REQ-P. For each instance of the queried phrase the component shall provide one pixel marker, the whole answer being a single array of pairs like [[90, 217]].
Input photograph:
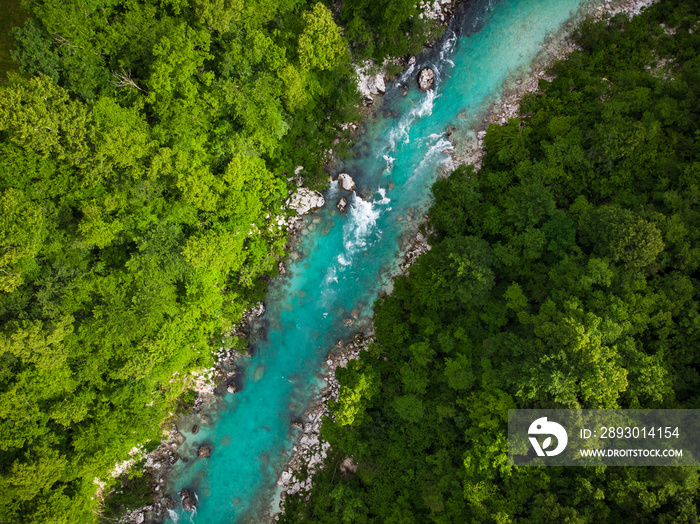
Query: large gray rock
[[346, 182], [189, 499], [426, 78], [305, 200], [204, 451], [342, 204], [370, 81]]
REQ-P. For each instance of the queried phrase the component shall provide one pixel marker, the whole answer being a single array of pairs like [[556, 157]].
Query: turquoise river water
[[348, 259]]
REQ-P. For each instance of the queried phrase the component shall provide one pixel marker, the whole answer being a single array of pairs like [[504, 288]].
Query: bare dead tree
[[123, 79], [61, 41]]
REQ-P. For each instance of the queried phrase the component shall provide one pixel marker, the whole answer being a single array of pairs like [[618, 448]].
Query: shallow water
[[348, 259]]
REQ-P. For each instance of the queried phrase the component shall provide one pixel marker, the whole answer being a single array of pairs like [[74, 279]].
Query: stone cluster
[[370, 80], [417, 247], [305, 200]]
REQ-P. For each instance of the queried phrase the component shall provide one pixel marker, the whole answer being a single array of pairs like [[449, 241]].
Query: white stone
[[432, 11], [285, 477], [426, 78], [346, 182], [342, 204], [305, 200]]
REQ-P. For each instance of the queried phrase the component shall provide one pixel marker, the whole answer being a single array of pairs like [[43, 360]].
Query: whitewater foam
[[362, 219], [383, 200], [389, 163]]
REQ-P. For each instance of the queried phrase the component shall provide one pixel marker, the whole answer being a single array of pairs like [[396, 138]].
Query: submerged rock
[[259, 372], [342, 204], [346, 182], [188, 498], [195, 429], [204, 451], [451, 130], [305, 200], [426, 78]]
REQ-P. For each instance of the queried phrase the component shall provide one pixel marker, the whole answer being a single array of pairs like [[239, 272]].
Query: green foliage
[[320, 44], [564, 274], [34, 54], [144, 156], [132, 493], [383, 28], [11, 16]]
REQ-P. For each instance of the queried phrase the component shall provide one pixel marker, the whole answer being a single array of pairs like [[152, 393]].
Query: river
[[349, 258]]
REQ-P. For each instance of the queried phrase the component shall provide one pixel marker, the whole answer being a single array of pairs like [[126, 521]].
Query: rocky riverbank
[[210, 384], [311, 449]]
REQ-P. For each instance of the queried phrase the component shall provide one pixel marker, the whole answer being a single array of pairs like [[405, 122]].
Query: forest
[[565, 273], [146, 149]]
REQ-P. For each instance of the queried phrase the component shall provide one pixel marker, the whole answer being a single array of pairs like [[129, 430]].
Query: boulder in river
[[346, 182], [426, 78], [204, 451], [305, 200], [231, 387], [342, 204], [189, 499], [195, 429]]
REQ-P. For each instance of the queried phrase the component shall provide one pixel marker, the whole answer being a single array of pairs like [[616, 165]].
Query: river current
[[349, 258]]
